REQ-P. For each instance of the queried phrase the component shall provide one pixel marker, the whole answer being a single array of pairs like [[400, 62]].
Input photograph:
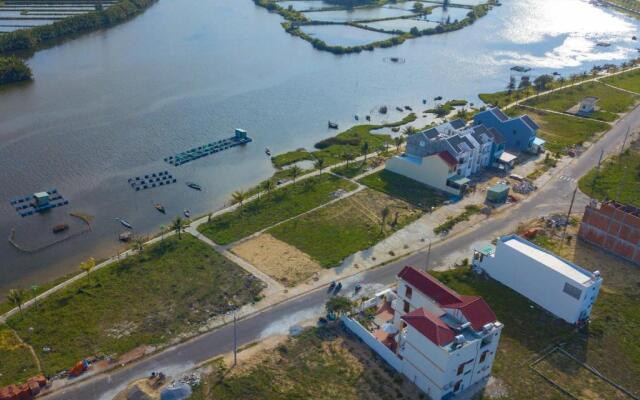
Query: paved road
[[553, 197]]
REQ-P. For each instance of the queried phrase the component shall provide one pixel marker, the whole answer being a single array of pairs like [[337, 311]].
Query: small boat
[[187, 213], [160, 208], [437, 98], [333, 125], [382, 110], [369, 118], [356, 117], [634, 38], [408, 108], [194, 186], [399, 109], [603, 44], [60, 228], [424, 101], [267, 151], [125, 223], [394, 59]]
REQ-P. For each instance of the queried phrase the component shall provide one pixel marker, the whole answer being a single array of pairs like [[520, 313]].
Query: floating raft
[[30, 205], [240, 138], [152, 180]]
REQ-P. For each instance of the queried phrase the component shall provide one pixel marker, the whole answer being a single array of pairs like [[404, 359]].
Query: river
[[111, 105]]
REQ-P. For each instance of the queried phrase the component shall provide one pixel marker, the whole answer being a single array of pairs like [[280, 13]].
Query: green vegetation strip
[[610, 101], [404, 188], [446, 226], [272, 208], [169, 289], [618, 179], [17, 363], [627, 80], [332, 233], [292, 157], [562, 131], [13, 69]]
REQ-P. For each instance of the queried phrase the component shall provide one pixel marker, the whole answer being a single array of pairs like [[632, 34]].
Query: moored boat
[[333, 125], [399, 109], [267, 151], [125, 223], [194, 186], [160, 208], [60, 228], [187, 213]]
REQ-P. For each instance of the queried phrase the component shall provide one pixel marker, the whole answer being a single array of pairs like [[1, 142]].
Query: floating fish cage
[[149, 181], [38, 202], [238, 139]]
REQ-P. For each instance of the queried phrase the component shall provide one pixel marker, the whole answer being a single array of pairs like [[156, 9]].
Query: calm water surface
[[111, 105]]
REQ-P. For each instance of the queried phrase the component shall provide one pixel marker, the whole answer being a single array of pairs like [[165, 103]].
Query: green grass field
[[403, 188], [170, 289], [628, 80], [16, 361], [610, 101], [291, 157], [561, 131], [270, 209], [334, 232], [619, 179]]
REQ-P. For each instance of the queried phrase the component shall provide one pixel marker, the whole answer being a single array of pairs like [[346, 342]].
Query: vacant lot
[[273, 208], [399, 186], [618, 178], [16, 361], [562, 131], [170, 289], [278, 259], [629, 80], [610, 101], [332, 233], [322, 363]]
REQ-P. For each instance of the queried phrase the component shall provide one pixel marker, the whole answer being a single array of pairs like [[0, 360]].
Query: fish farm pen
[[38, 202], [240, 138], [152, 180], [22, 14]]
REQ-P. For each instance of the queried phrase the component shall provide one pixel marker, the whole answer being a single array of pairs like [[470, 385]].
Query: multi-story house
[[519, 133], [440, 340]]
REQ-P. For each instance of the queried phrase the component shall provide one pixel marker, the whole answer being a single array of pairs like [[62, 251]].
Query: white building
[[555, 284], [440, 340]]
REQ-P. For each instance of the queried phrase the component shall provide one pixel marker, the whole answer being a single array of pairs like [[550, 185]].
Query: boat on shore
[[160, 208], [333, 125], [194, 186]]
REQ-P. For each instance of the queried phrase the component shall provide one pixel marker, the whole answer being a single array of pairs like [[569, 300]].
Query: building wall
[[417, 300], [431, 170], [371, 341], [612, 230], [540, 284]]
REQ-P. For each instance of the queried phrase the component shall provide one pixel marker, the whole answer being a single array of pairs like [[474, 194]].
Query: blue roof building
[[518, 133]]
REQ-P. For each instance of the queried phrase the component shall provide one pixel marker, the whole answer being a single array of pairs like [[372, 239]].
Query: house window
[[406, 306], [460, 369], [457, 386], [483, 356], [408, 292], [572, 291]]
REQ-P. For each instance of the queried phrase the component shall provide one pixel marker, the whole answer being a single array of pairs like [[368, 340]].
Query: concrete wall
[[613, 230], [431, 170], [371, 341]]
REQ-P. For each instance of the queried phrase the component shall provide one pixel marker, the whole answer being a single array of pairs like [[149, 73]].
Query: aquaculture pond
[[303, 5], [439, 14], [357, 14], [19, 14], [404, 24], [344, 35]]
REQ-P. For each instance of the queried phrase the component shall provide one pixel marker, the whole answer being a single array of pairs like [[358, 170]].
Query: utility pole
[[626, 136], [597, 174], [426, 267], [235, 340], [564, 232]]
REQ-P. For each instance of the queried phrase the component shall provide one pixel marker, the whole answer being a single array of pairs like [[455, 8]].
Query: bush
[[13, 69]]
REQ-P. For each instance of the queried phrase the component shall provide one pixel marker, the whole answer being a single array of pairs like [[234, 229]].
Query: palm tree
[[162, 229], [295, 172], [319, 164], [398, 141], [268, 186], [137, 244], [239, 196], [347, 157], [178, 226], [409, 130], [16, 297], [87, 266], [385, 214], [365, 150]]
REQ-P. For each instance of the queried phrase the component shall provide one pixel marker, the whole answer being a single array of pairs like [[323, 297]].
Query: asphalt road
[[555, 196]]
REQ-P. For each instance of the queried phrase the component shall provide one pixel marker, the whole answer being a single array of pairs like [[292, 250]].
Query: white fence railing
[[366, 336]]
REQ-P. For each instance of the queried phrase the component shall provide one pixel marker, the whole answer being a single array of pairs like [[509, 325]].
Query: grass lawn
[[359, 167], [610, 101], [30, 293], [332, 149], [501, 99], [270, 209], [620, 174], [170, 289], [334, 232], [291, 157], [399, 186], [562, 131], [321, 363], [16, 361], [468, 212]]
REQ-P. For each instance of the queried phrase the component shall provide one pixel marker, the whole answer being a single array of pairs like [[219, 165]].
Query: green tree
[[418, 7], [365, 150], [238, 197], [87, 267], [319, 164], [137, 244], [295, 172], [409, 130], [178, 226], [347, 157], [542, 82], [398, 140], [268, 186], [339, 305], [16, 297], [512, 84], [385, 214]]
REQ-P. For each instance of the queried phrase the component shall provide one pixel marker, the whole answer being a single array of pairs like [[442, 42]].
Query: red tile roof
[[429, 326], [448, 158], [474, 308]]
